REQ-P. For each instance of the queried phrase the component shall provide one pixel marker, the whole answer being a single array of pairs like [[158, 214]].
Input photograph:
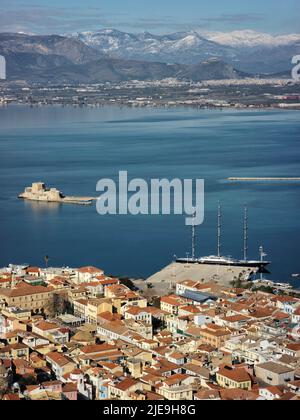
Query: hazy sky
[[160, 16]]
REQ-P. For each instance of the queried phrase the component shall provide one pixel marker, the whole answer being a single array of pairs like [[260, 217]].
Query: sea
[[71, 148]]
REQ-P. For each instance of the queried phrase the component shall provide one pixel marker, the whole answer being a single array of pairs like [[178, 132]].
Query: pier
[[268, 179], [174, 273]]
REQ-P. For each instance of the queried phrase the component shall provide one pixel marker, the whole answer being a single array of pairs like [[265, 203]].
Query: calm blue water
[[72, 148]]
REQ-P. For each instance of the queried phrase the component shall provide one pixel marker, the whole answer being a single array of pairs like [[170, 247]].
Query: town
[[279, 93], [79, 334]]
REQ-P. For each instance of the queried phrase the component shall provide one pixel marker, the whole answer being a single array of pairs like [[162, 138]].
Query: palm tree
[[46, 258]]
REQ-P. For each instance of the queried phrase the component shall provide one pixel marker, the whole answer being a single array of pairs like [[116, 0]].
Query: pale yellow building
[[214, 335], [178, 387], [229, 377], [33, 298], [97, 306]]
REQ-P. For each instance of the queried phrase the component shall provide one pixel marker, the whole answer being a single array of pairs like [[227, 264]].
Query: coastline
[[152, 106]]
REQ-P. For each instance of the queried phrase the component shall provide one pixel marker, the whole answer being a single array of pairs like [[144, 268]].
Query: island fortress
[[39, 192]]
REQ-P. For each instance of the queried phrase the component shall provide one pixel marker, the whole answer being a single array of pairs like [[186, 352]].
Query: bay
[[72, 148]]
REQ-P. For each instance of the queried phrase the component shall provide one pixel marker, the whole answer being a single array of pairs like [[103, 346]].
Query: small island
[[39, 192]]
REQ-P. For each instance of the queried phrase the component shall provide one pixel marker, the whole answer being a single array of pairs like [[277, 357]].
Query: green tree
[[3, 381], [127, 282], [58, 305]]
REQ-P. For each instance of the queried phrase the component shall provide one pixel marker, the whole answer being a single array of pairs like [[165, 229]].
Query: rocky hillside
[[57, 59]]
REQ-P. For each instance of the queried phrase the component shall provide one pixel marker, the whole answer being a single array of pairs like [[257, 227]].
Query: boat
[[295, 276], [227, 261], [283, 285], [220, 260]]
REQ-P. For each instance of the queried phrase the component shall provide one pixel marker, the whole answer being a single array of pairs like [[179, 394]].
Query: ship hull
[[250, 264]]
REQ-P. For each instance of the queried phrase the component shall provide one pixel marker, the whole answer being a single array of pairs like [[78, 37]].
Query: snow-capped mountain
[[182, 47], [248, 38], [246, 50]]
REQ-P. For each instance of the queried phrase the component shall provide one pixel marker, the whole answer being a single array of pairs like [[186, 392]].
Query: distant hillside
[[71, 49], [57, 59], [210, 70]]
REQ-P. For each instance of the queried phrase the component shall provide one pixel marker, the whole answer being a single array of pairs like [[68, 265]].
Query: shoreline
[[152, 106]]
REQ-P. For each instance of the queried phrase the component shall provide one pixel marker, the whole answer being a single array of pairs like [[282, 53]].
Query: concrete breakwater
[[258, 179], [39, 192]]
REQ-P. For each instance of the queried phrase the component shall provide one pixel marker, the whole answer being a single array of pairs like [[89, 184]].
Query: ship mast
[[194, 238], [246, 234], [219, 229], [262, 253]]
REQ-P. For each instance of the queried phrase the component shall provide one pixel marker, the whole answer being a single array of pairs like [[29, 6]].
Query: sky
[[157, 16]]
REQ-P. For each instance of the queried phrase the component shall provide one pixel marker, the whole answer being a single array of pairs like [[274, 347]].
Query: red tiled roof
[[90, 270], [170, 301], [46, 326], [11, 397], [97, 348], [134, 310], [33, 270], [293, 346], [126, 384], [59, 358], [237, 375], [69, 387], [25, 290]]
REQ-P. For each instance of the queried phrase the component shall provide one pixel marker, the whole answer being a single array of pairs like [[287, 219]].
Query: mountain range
[[57, 59], [247, 51], [114, 56]]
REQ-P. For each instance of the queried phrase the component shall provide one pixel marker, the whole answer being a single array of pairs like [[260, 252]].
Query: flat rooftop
[[177, 272], [277, 368], [69, 319]]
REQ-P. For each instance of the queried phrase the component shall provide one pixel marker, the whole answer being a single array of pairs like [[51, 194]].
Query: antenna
[[219, 229], [194, 238], [246, 234]]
